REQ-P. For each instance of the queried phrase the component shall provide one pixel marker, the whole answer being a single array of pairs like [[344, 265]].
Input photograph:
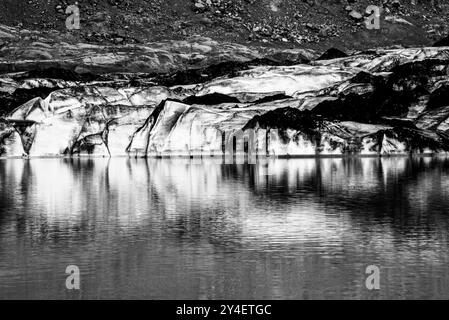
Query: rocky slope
[[203, 97], [319, 24]]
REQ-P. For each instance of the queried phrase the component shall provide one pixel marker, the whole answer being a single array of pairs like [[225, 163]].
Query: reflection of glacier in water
[[302, 228]]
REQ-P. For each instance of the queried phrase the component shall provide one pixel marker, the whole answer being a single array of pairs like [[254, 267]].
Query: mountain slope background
[[316, 24]]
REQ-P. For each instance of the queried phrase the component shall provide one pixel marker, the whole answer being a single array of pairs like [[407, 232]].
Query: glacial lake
[[173, 229]]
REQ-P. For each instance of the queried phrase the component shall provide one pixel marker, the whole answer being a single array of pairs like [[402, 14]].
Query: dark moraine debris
[[271, 98], [229, 69], [390, 96], [368, 78], [211, 99], [282, 58], [416, 140], [151, 121], [417, 73], [442, 43], [433, 118], [9, 102], [6, 129], [370, 107], [400, 122], [194, 76], [57, 73], [332, 53], [439, 98], [288, 118]]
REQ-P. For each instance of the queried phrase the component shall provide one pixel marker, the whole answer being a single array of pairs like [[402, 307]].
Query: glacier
[[378, 102]]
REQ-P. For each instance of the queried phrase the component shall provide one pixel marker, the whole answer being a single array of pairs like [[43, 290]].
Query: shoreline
[[258, 158]]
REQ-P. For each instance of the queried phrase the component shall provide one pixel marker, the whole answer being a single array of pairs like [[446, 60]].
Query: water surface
[[172, 229]]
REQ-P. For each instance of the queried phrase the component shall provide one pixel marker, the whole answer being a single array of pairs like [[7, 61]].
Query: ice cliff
[[288, 103]]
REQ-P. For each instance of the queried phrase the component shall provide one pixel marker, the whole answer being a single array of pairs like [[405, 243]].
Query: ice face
[[385, 102]]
